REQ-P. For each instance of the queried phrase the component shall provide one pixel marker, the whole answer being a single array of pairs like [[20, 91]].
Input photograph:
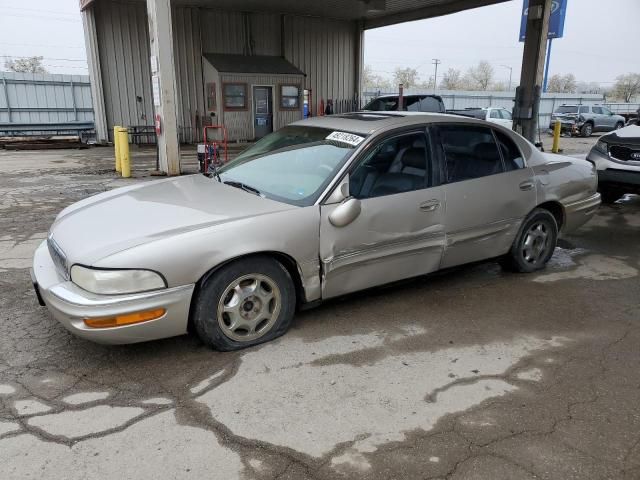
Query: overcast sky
[[600, 42]]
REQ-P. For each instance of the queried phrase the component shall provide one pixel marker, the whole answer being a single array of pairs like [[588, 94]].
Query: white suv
[[498, 115], [617, 159]]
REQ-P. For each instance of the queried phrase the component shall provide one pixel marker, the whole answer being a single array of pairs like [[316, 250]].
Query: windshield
[[567, 109], [292, 165]]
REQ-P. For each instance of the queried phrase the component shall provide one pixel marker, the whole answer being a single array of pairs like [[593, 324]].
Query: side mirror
[[340, 193], [345, 213]]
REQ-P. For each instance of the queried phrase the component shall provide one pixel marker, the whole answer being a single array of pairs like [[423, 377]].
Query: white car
[[498, 115]]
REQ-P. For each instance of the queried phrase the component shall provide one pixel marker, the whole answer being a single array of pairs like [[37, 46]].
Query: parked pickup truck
[[498, 115], [583, 120], [411, 103]]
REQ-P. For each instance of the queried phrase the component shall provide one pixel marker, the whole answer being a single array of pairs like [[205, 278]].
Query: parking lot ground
[[471, 373], [574, 146]]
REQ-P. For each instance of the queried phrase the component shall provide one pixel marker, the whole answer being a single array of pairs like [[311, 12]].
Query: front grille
[[624, 153], [59, 258]]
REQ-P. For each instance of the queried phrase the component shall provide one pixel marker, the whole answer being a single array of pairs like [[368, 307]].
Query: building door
[[262, 111]]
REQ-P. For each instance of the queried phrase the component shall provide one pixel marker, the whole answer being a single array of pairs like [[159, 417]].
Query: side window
[[395, 165], [606, 111], [510, 153], [597, 110], [506, 114], [494, 114], [470, 152]]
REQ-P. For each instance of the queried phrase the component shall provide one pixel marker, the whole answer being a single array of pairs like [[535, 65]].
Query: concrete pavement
[[472, 373]]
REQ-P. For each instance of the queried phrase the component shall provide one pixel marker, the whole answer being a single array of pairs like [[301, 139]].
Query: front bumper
[[580, 212], [70, 305], [613, 172], [570, 127]]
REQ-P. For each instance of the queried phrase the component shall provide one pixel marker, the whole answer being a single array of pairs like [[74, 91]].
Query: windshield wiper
[[243, 186]]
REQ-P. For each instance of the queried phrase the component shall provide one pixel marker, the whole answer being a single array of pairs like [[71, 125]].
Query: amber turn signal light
[[125, 319]]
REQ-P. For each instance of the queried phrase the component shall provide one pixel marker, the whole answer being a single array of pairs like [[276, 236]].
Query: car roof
[[368, 122]]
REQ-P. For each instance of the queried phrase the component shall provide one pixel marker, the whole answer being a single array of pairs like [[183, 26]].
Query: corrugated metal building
[[129, 42], [326, 50]]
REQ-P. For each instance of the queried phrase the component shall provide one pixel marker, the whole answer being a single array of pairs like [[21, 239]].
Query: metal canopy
[[372, 13]]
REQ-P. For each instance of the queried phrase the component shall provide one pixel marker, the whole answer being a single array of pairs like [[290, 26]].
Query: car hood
[[625, 136], [127, 217]]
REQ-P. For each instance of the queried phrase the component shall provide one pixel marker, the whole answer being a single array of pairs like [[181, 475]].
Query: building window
[[289, 97], [235, 96], [211, 96]]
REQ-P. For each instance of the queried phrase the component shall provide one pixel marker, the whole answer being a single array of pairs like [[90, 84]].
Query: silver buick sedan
[[321, 208]]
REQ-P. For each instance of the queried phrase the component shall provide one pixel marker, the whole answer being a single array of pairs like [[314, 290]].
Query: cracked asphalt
[[471, 373]]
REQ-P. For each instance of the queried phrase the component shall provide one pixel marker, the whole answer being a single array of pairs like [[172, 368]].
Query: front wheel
[[586, 130], [619, 125], [245, 303], [534, 244]]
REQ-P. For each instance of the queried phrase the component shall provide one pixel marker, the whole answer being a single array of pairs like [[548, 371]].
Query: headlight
[[602, 147], [114, 282]]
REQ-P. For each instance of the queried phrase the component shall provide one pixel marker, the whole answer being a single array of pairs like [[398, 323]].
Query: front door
[[399, 232], [489, 191], [262, 111]]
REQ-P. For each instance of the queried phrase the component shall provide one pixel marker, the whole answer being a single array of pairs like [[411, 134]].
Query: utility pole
[[436, 62], [510, 74]]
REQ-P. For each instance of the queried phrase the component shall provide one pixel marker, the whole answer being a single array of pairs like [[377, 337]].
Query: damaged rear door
[[394, 217]]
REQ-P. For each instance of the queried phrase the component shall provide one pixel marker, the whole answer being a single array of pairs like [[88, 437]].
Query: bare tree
[[562, 83], [627, 86], [25, 65], [373, 82], [451, 80], [408, 77], [480, 76]]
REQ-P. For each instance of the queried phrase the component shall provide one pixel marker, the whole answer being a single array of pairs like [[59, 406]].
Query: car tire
[[619, 125], [586, 130], [610, 195], [244, 303], [535, 243]]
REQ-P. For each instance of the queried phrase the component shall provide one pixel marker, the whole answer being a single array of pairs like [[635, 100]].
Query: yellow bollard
[[116, 147], [125, 162], [557, 129]]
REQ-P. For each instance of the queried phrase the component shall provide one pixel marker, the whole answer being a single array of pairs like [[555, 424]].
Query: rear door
[[399, 232], [489, 191], [599, 122]]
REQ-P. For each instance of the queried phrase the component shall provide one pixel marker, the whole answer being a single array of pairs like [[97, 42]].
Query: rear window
[[567, 109]]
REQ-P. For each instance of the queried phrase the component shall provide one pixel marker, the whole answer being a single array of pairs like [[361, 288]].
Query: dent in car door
[[394, 237], [483, 214], [399, 231]]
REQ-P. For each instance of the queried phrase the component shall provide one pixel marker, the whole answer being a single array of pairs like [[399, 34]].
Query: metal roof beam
[[426, 12]]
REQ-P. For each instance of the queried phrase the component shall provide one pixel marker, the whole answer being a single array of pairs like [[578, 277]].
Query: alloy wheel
[[249, 307], [536, 243]]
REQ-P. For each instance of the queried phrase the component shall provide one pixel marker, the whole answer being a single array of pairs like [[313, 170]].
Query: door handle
[[526, 185], [430, 205]]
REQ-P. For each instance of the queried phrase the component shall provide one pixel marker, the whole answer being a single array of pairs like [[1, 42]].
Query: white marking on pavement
[[85, 397]]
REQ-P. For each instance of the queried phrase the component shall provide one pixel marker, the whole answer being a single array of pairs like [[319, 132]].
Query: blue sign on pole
[[556, 20]]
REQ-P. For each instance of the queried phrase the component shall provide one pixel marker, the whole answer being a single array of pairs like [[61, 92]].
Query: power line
[[39, 45], [48, 58]]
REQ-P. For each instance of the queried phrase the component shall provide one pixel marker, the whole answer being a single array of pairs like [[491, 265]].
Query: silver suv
[[585, 119]]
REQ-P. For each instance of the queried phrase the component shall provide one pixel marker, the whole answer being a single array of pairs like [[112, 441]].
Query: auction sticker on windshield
[[345, 137]]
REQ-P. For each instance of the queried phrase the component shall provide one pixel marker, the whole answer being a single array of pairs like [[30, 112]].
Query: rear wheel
[[534, 244], [245, 303], [586, 130]]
